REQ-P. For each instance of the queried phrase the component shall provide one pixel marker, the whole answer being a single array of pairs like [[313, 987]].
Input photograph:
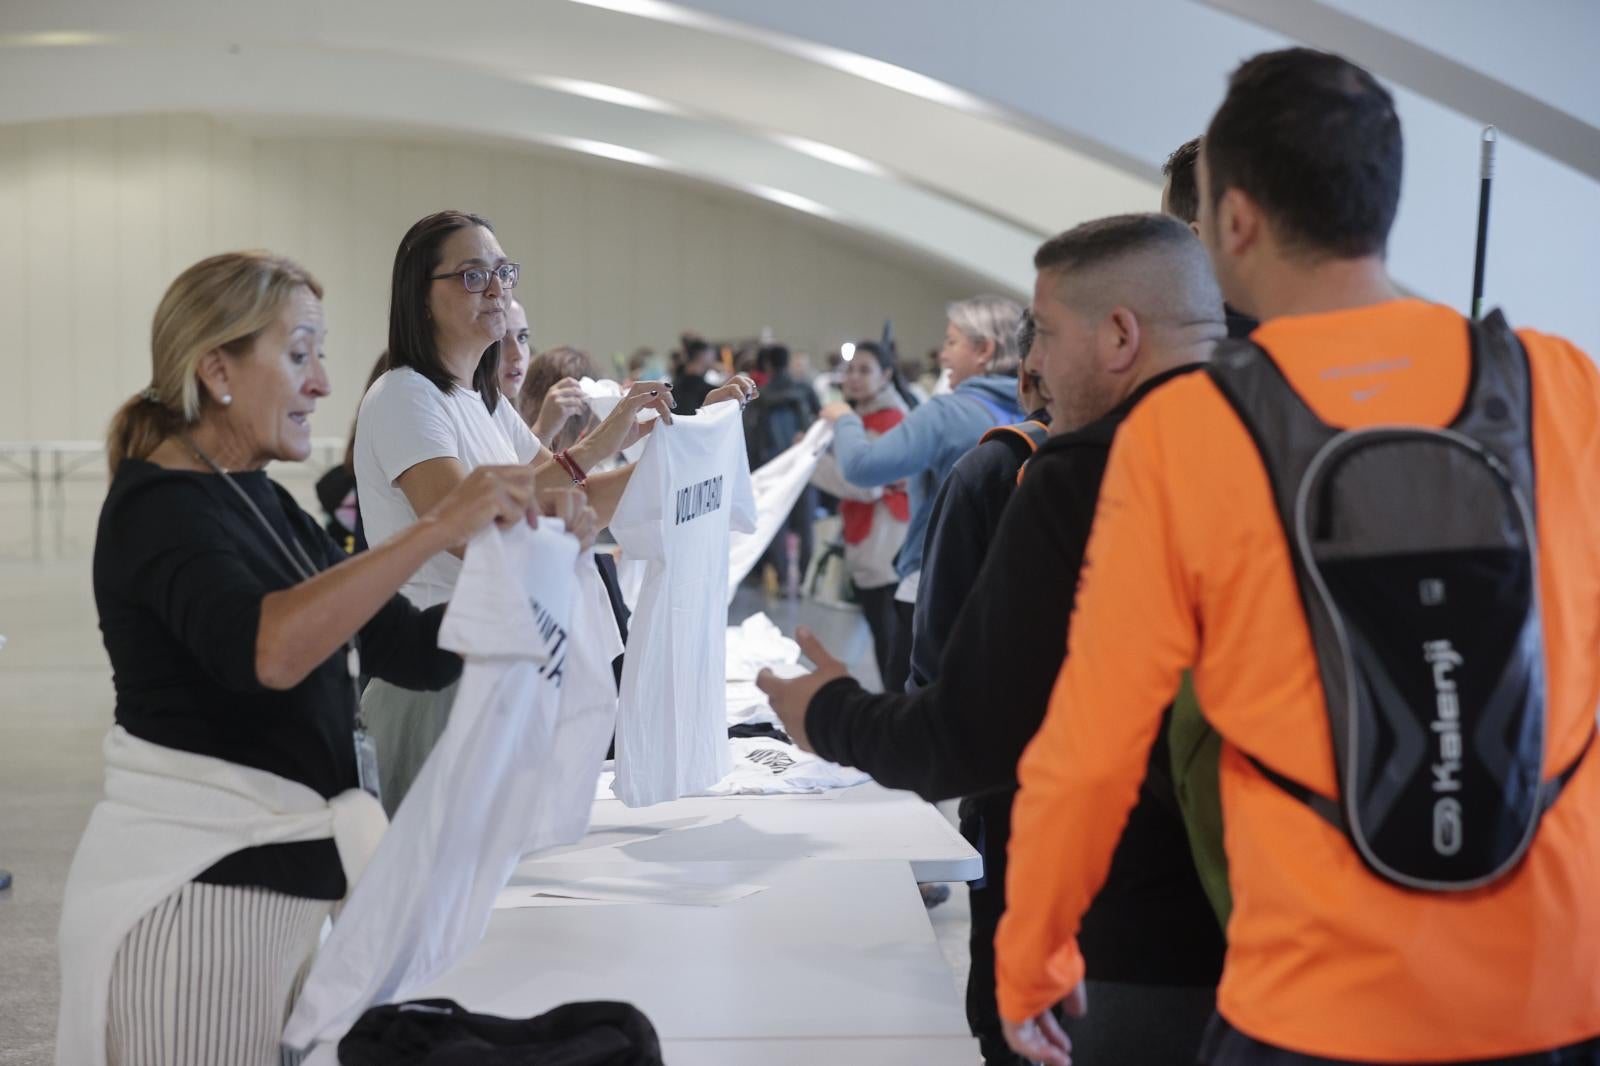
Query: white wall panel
[[47, 332], [103, 214], [14, 269]]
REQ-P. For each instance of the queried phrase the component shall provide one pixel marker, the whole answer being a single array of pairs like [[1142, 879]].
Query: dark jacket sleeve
[[965, 515], [400, 643], [963, 734]]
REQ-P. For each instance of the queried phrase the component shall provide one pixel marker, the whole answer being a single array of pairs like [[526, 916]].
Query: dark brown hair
[[379, 368], [411, 340], [1315, 140], [544, 370], [1183, 192], [884, 357]]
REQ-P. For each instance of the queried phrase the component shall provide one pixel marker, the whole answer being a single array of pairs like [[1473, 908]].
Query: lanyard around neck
[[365, 752], [303, 566]]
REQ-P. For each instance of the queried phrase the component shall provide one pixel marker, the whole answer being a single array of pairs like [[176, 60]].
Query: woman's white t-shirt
[[404, 420]]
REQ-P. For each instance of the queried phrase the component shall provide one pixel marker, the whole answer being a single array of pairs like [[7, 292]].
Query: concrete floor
[[55, 700], [55, 706]]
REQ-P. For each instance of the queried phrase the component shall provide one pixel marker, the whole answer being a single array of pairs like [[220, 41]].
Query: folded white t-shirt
[[765, 766]]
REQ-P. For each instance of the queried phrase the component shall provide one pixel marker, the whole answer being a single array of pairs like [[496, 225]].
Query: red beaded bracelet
[[574, 471]]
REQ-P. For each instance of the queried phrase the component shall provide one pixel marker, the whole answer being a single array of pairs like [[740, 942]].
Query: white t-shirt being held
[[688, 492], [405, 419]]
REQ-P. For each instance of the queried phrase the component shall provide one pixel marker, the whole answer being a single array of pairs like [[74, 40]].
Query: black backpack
[[773, 420], [1416, 555]]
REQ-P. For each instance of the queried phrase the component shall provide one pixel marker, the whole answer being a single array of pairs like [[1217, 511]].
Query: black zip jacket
[[963, 735], [966, 513]]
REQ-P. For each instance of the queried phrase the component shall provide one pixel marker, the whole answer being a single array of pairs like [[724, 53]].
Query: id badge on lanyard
[[366, 750]]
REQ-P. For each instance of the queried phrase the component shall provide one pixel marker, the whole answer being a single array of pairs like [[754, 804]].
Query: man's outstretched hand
[[1041, 1038], [790, 697]]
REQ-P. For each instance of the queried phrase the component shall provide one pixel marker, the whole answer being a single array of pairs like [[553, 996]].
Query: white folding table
[[834, 961], [830, 962]]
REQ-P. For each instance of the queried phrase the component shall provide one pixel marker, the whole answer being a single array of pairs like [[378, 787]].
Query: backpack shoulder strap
[[1498, 410], [1286, 432], [1024, 439], [1030, 435], [1287, 436]]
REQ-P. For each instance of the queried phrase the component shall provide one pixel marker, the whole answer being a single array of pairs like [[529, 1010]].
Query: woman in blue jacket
[[981, 355]]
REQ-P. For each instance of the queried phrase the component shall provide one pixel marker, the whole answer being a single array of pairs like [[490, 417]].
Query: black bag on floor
[[440, 1032]]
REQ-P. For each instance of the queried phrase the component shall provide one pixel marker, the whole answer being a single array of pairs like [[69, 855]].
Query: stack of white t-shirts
[[777, 486], [513, 772], [756, 644], [767, 765], [690, 487], [753, 645]]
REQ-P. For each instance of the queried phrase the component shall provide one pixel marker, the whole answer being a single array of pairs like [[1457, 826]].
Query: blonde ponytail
[[138, 427], [224, 302]]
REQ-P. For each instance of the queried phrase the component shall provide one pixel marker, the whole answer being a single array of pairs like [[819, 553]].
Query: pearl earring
[[227, 398]]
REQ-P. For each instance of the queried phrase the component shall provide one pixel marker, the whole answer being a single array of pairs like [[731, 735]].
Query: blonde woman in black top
[[235, 772]]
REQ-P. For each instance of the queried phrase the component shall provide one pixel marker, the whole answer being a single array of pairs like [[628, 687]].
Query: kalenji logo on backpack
[[1416, 554]]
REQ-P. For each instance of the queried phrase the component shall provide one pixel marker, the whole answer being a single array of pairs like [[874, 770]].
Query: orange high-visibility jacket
[[1188, 566]]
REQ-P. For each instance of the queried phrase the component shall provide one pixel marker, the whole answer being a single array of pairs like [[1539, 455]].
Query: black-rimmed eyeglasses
[[476, 279]]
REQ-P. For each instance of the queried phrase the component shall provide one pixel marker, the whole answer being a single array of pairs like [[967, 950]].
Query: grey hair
[[990, 318]]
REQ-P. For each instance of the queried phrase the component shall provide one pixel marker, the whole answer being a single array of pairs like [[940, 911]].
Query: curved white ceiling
[[394, 91], [961, 132], [1129, 81], [956, 188]]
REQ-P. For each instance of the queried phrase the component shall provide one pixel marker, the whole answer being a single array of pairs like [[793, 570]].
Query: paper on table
[[518, 897], [623, 890]]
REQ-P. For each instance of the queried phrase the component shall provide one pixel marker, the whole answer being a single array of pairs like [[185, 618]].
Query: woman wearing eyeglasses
[[437, 415]]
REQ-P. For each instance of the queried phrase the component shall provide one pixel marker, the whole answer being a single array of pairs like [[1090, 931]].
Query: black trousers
[[899, 671], [1226, 1046], [986, 823], [1140, 1025], [877, 604], [1127, 1024]]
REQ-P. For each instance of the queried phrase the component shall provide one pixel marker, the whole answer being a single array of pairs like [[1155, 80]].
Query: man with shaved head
[[1120, 305]]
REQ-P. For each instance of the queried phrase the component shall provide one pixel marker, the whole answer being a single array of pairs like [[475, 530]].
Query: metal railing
[[46, 466]]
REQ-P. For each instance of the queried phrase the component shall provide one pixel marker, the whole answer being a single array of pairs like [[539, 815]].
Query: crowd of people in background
[[1092, 605]]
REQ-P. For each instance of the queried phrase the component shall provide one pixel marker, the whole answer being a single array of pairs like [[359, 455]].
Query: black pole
[[1485, 179]]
